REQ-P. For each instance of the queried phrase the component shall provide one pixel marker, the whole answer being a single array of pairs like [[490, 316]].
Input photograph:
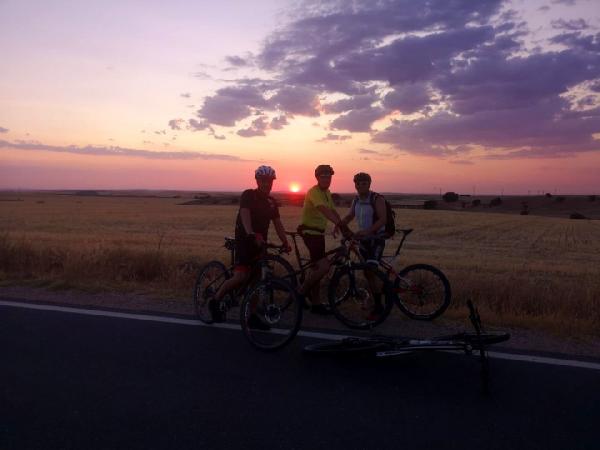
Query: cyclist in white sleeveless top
[[369, 210]]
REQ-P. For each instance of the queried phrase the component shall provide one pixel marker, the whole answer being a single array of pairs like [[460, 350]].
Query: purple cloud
[[185, 95], [296, 100], [257, 128], [202, 76], [231, 104], [347, 104], [358, 120], [236, 61], [117, 151], [176, 124], [408, 98], [461, 67], [570, 25], [335, 137], [3, 130], [197, 125], [277, 123]]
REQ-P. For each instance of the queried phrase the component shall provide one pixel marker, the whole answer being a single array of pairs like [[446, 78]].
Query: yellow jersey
[[311, 216]]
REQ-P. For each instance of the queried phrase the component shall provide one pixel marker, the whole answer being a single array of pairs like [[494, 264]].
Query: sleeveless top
[[364, 211]]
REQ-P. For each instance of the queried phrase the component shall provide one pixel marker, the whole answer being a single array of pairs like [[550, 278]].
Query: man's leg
[[316, 248], [312, 280], [373, 255], [238, 279]]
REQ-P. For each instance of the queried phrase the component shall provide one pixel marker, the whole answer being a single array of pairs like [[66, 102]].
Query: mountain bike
[[354, 285], [386, 347], [266, 297], [421, 291]]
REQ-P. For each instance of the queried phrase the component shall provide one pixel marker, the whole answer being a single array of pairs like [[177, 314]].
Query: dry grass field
[[529, 271]]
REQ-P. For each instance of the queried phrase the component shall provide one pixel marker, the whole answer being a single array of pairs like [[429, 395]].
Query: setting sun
[[294, 187]]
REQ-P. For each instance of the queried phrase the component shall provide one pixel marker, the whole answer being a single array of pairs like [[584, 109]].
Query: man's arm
[[344, 222], [330, 214], [246, 220], [281, 232], [349, 217]]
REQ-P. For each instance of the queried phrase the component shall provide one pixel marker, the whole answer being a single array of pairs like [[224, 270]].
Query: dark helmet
[[324, 169], [362, 176]]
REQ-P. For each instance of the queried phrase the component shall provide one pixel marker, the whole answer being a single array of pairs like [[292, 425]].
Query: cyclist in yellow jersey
[[317, 211]]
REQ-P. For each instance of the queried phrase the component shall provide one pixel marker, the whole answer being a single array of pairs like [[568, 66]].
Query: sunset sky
[[452, 95]]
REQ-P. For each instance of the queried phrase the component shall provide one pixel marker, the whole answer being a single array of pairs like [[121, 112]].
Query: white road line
[[544, 360], [311, 334]]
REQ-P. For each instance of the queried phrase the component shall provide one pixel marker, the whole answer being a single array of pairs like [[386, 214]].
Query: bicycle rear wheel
[[271, 314], [210, 279], [422, 291], [353, 299], [348, 347]]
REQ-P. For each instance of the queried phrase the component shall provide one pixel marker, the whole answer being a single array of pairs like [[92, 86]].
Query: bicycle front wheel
[[422, 291], [359, 296], [210, 279], [271, 314], [280, 268]]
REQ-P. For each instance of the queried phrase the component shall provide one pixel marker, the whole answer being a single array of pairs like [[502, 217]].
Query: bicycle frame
[[346, 247], [255, 275]]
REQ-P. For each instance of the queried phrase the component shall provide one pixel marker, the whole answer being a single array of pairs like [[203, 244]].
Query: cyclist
[[317, 210], [257, 210], [370, 212]]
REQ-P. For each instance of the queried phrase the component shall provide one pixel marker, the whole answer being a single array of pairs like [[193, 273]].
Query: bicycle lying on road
[[386, 347]]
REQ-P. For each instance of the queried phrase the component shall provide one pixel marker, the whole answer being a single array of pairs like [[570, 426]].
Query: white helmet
[[265, 172]]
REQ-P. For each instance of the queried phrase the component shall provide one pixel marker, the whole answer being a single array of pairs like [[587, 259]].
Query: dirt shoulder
[[397, 324]]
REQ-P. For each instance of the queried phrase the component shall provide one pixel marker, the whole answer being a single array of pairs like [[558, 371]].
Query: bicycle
[[421, 291], [386, 347], [353, 304], [261, 297]]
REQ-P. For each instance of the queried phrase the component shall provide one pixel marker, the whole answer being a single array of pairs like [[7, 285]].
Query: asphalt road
[[73, 381]]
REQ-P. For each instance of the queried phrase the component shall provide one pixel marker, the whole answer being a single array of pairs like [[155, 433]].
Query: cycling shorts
[[372, 249], [315, 243]]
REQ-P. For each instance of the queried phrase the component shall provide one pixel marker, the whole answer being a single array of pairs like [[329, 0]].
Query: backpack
[[390, 223]]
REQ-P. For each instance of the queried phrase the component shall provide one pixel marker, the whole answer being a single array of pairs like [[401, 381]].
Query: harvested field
[[529, 271]]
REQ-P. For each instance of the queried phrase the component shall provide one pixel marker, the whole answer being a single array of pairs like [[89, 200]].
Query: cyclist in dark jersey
[[257, 210]]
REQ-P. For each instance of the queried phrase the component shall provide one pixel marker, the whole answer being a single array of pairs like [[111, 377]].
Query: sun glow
[[294, 187]]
